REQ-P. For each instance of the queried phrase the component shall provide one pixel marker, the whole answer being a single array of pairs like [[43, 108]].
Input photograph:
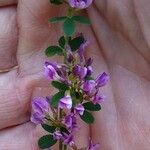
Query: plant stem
[[65, 147], [60, 145], [59, 115]]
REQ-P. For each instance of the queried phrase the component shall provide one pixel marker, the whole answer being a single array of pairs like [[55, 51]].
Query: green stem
[[70, 12]]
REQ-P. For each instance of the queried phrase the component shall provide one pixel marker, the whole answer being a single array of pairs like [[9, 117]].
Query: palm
[[119, 47]]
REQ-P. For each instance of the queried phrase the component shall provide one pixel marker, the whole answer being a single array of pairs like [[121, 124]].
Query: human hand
[[119, 45]]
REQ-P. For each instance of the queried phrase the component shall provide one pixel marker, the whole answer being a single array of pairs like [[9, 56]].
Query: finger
[[130, 20], [116, 47], [17, 90], [8, 37], [35, 33], [26, 137], [19, 137], [7, 2], [119, 111]]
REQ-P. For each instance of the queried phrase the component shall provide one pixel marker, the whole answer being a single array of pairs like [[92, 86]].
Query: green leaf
[[55, 99], [69, 26], [48, 128], [92, 107], [53, 50], [64, 130], [56, 2], [62, 42], [87, 117], [46, 141], [81, 19], [76, 43], [89, 78], [74, 98], [57, 19], [60, 86]]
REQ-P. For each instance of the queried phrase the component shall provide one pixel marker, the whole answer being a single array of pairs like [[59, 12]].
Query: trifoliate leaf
[[81, 19], [76, 43], [53, 50], [60, 86], [46, 141], [57, 19], [92, 107], [62, 42], [87, 117], [55, 99], [69, 26], [48, 128], [56, 2]]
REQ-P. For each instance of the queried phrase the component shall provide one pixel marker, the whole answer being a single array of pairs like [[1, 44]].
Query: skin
[[120, 36]]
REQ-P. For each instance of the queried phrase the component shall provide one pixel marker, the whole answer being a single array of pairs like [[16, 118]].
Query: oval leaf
[[82, 19], [57, 19], [92, 107], [48, 128], [87, 117], [56, 2], [69, 26], [76, 43], [53, 50], [55, 99], [46, 141], [62, 42], [60, 86]]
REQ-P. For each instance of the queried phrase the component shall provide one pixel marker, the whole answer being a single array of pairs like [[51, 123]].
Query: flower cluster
[[78, 91], [80, 4]]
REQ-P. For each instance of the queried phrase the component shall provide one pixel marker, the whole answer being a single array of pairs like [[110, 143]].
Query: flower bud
[[98, 98], [89, 70], [50, 71], [102, 79], [89, 86], [92, 146]]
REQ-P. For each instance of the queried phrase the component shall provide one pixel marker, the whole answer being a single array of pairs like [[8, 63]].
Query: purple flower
[[89, 85], [57, 135], [65, 102], [80, 71], [50, 71], [70, 57], [102, 79], [79, 109], [81, 50], [80, 4], [40, 107], [92, 146], [98, 98], [68, 139], [70, 122], [89, 70], [89, 62]]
